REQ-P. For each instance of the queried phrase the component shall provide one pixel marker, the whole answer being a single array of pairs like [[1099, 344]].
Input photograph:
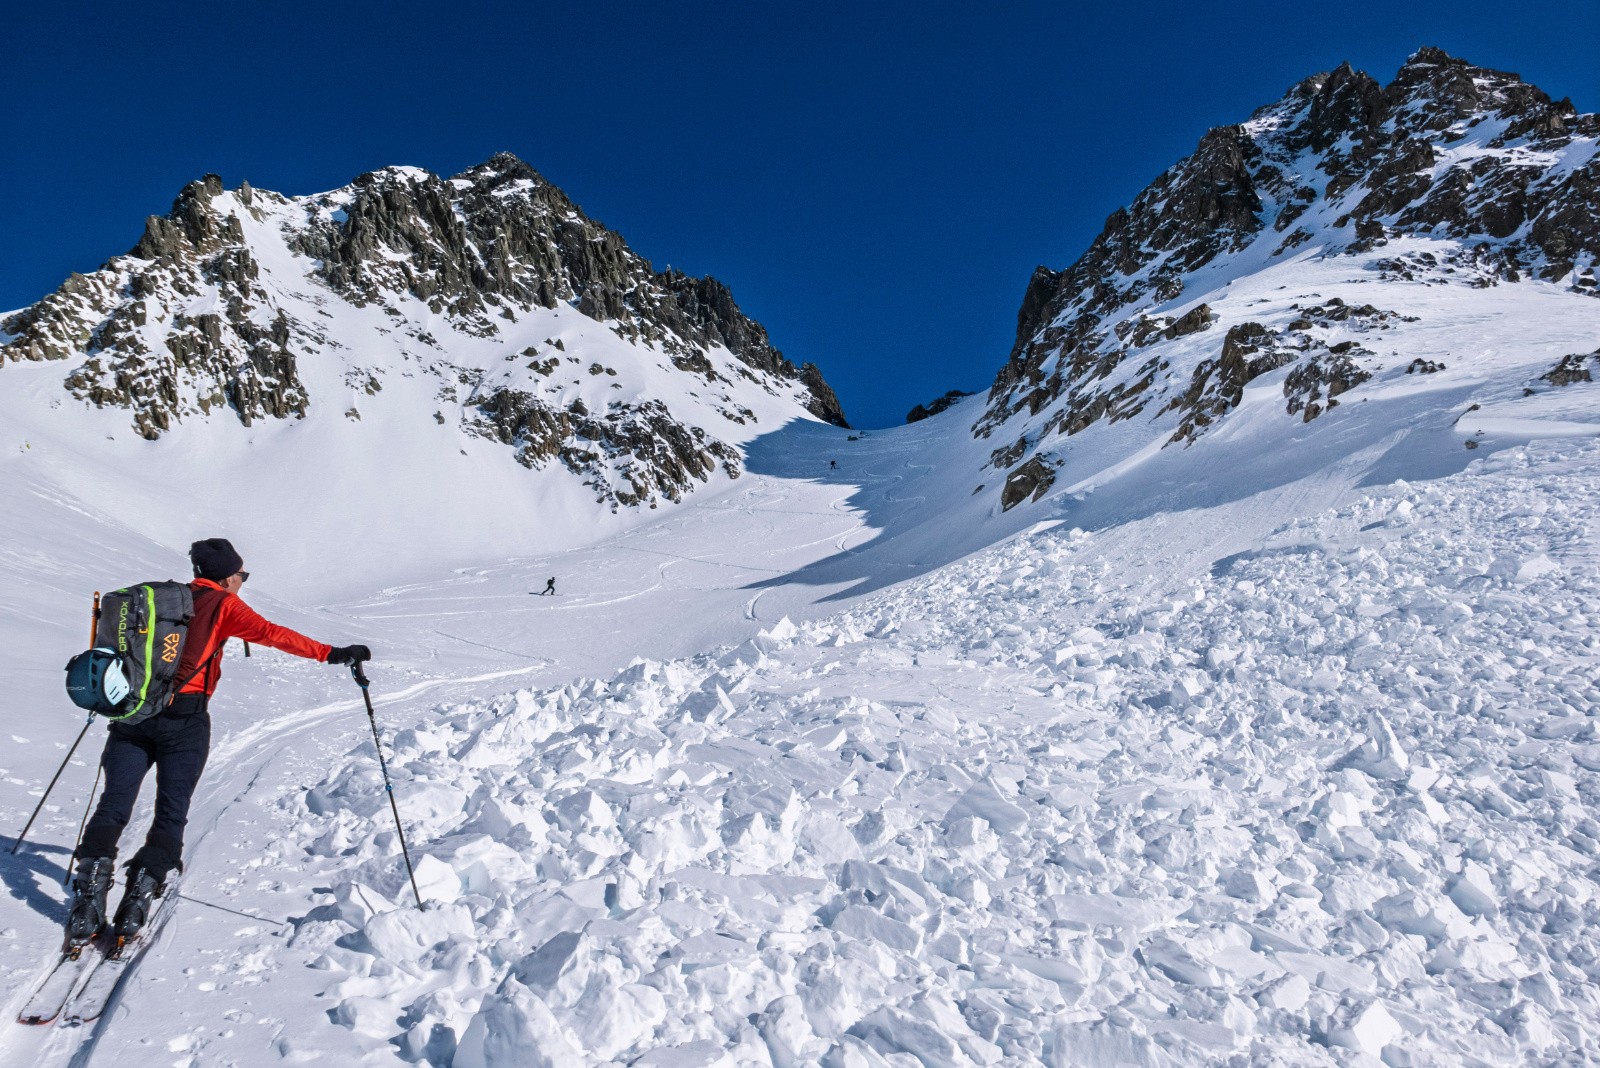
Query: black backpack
[[131, 673]]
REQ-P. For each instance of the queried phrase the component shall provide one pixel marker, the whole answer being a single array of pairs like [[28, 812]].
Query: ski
[[51, 997], [116, 962]]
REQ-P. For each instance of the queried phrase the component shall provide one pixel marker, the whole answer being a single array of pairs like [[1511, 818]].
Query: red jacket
[[220, 615]]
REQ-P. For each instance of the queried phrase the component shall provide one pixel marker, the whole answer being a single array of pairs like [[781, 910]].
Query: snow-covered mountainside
[[488, 301], [1348, 243], [1321, 802], [1238, 709], [1106, 797]]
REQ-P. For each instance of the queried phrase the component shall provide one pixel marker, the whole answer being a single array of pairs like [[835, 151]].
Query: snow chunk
[[1382, 756], [781, 631], [1247, 884], [1473, 891], [1288, 994], [409, 934], [1366, 1028], [858, 921], [437, 881], [984, 801], [1536, 566], [515, 1026]]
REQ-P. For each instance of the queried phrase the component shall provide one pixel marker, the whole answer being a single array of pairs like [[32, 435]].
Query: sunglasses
[[244, 576]]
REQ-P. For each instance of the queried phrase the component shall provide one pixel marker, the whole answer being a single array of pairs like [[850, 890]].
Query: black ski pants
[[177, 742]]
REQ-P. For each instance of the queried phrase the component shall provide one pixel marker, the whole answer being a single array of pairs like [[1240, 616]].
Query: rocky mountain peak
[[191, 227], [1434, 91], [1447, 151], [190, 322]]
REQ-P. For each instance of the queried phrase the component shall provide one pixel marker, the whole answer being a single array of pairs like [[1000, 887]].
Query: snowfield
[[1252, 734], [1068, 801], [1327, 803]]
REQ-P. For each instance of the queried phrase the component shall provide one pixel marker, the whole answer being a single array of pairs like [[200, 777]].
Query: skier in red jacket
[[176, 741]]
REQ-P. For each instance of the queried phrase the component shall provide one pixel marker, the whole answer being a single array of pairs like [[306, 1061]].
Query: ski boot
[[137, 901], [90, 886]]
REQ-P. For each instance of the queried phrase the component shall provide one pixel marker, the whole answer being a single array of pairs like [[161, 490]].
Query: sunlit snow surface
[[1328, 798], [1319, 798], [1238, 750]]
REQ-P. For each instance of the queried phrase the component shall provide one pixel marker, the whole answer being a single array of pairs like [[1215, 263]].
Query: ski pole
[[87, 808], [363, 682], [86, 725], [94, 628]]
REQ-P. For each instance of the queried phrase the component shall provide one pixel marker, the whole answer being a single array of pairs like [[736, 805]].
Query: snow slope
[[1266, 741], [1299, 774], [1325, 800], [1081, 797], [377, 365], [1308, 802], [1300, 263]]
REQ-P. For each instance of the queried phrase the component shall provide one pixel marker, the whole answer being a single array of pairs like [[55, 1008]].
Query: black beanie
[[215, 559]]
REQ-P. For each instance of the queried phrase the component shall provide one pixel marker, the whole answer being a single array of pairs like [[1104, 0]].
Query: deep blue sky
[[876, 182]]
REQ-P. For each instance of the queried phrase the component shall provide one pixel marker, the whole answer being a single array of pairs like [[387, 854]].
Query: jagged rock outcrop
[[188, 322], [1028, 482], [501, 234], [823, 402], [935, 406], [631, 455], [151, 341], [1573, 369], [1504, 181]]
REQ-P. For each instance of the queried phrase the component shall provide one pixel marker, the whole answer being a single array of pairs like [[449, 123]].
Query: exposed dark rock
[[1572, 369], [934, 407], [824, 404], [1375, 151], [191, 228], [633, 455], [475, 249], [223, 357], [1419, 366], [1249, 350], [1028, 482], [1035, 299], [1198, 318], [501, 232], [1007, 455], [1312, 386]]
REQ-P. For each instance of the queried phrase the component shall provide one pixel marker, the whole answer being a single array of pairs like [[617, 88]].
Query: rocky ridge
[[188, 323], [1501, 181], [935, 406]]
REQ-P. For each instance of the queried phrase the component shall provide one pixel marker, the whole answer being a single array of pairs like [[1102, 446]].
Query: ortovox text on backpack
[[138, 644]]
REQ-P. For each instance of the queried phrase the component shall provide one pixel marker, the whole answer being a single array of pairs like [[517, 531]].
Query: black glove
[[349, 654]]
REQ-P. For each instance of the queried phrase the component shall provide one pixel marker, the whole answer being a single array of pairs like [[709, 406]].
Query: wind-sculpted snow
[[1327, 804]]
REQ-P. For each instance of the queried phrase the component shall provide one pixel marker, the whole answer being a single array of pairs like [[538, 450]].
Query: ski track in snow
[[1103, 798], [1286, 775], [1178, 835], [255, 752]]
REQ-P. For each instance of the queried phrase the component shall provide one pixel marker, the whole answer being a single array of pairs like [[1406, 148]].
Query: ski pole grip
[[359, 675]]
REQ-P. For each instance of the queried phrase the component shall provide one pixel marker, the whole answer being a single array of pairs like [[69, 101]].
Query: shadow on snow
[[918, 518]]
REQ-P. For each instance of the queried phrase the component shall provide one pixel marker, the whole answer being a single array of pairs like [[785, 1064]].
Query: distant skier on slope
[[549, 587], [176, 741]]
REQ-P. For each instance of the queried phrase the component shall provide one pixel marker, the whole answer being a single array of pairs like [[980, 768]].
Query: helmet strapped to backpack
[[96, 681], [131, 673]]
